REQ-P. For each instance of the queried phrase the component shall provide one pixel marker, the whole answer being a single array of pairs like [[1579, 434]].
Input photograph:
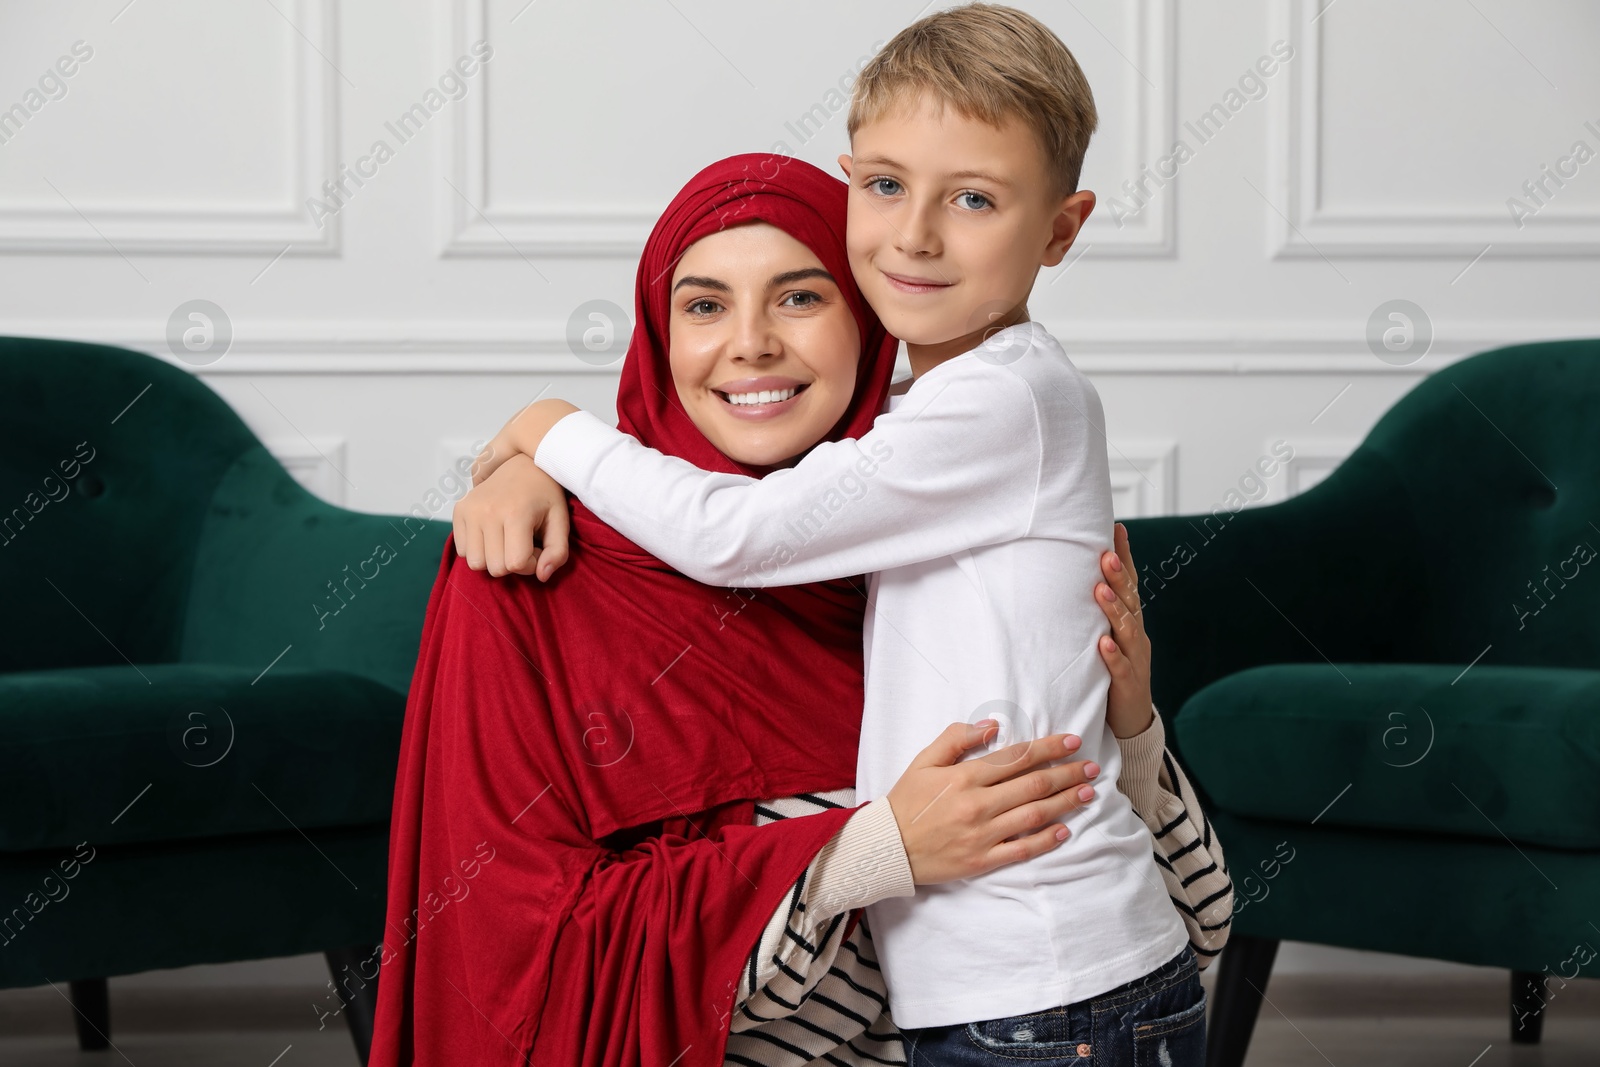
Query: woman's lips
[[759, 410], [914, 285]]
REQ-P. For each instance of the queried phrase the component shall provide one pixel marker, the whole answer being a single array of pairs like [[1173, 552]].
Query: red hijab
[[574, 880]]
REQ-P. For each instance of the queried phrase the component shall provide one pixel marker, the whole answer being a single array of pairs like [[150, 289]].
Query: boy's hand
[[520, 435], [1126, 650], [496, 522]]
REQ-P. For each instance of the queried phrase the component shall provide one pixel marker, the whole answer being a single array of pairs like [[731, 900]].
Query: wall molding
[[318, 464], [129, 226], [560, 230], [1144, 478], [619, 231], [321, 466], [446, 347], [1314, 459], [1306, 229], [1153, 234]]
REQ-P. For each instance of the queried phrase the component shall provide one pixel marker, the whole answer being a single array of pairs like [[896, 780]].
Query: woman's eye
[[969, 196], [703, 307], [803, 299], [877, 186]]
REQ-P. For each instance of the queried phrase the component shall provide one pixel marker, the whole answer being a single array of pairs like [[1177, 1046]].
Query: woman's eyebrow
[[790, 276], [702, 282]]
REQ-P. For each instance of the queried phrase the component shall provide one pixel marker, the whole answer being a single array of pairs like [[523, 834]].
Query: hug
[[650, 580], [911, 802]]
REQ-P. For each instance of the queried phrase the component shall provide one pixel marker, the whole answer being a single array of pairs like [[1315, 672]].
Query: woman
[[577, 873]]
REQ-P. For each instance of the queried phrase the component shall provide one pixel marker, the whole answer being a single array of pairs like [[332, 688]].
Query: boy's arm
[[520, 435], [1186, 849], [954, 466]]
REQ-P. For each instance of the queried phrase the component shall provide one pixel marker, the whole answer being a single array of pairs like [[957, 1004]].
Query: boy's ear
[[1074, 211], [844, 164]]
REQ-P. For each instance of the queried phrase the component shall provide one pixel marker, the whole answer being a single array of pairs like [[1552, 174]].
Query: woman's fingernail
[[1085, 792], [1061, 833], [1072, 741], [1091, 769], [1116, 563], [1105, 592]]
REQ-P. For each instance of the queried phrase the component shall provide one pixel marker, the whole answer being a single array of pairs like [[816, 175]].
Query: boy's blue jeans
[[1159, 1019]]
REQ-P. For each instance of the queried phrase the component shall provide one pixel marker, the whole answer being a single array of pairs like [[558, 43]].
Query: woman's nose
[[755, 338]]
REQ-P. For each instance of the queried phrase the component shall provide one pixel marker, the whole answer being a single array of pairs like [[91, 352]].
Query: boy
[[985, 511]]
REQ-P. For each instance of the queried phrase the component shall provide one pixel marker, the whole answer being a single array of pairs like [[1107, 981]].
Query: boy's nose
[[915, 233]]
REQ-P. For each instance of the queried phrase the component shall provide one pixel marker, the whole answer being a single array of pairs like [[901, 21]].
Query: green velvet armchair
[[202, 685], [1387, 688]]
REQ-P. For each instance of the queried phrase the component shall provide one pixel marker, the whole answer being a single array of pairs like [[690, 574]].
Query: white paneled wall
[[398, 205]]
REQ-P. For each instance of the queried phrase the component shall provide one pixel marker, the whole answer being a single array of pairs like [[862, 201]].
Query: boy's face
[[950, 220]]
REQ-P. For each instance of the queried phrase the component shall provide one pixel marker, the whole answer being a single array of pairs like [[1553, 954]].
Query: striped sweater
[[811, 995]]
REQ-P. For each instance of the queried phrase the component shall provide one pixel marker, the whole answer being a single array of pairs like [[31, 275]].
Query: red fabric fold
[[573, 874]]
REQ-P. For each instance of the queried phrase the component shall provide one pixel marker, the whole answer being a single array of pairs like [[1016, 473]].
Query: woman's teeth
[[764, 396]]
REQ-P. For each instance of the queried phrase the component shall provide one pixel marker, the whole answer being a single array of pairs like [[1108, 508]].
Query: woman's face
[[762, 346]]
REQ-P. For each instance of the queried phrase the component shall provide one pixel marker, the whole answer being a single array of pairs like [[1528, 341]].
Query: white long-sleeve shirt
[[980, 503], [811, 994]]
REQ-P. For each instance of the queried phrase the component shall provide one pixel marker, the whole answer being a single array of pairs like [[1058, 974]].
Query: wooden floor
[[1310, 1021], [1414, 1021]]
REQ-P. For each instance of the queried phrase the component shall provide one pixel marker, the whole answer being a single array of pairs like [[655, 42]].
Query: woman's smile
[[766, 397]]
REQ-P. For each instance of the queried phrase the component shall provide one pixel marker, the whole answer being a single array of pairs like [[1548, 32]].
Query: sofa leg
[[359, 994], [91, 1001], [1242, 973], [1527, 1007]]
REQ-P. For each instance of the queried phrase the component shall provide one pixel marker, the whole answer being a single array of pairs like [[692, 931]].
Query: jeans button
[[1083, 1049]]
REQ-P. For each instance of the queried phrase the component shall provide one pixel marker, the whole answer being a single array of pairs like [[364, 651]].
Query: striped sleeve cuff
[[1140, 777], [863, 863]]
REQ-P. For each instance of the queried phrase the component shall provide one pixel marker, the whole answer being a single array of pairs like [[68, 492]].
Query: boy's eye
[[877, 186], [969, 196]]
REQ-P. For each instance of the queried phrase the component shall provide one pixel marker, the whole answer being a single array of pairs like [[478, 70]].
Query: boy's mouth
[[908, 284], [760, 398]]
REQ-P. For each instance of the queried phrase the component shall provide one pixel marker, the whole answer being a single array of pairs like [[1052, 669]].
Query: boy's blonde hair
[[988, 62]]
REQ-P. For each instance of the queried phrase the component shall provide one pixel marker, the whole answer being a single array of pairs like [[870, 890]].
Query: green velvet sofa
[[1387, 688], [202, 685]]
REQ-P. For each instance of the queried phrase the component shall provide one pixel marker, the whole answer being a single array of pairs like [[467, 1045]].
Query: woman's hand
[[957, 817], [515, 522], [521, 435], [1126, 650]]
